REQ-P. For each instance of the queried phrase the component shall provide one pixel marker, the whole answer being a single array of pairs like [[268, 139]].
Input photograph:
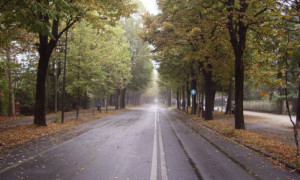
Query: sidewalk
[[278, 120]]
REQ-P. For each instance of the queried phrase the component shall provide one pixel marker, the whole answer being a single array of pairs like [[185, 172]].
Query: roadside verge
[[280, 153]]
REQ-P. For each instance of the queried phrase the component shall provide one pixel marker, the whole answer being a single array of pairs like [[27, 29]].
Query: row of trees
[[214, 46], [105, 55]]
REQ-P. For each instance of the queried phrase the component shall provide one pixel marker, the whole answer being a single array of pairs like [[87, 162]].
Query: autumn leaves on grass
[[24, 133], [283, 151]]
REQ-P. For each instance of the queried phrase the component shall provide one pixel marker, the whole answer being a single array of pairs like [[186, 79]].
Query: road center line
[[164, 175], [154, 155]]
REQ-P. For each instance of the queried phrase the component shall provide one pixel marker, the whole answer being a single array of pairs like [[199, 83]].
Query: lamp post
[[64, 81]]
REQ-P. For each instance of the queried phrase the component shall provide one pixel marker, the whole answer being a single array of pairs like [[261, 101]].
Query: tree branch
[[260, 12], [68, 26]]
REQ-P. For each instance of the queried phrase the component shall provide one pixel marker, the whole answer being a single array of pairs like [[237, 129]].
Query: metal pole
[[64, 81]]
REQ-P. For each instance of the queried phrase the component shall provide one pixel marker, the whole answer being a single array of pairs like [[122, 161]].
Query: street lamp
[[64, 81]]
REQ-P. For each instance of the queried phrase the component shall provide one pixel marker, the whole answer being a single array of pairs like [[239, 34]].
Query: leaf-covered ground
[[21, 134], [273, 142], [5, 118]]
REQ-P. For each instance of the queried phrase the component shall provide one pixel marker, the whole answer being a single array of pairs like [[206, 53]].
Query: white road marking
[[154, 155], [164, 175]]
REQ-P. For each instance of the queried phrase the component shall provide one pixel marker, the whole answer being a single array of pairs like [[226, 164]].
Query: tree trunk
[[117, 99], [203, 93], [183, 98], [238, 42], [110, 100], [45, 50], [11, 110], [298, 102], [106, 106], [139, 99], [229, 99], [55, 95], [123, 97], [199, 101], [194, 86], [169, 97], [133, 99], [188, 93], [210, 89], [39, 115], [239, 91], [78, 104], [178, 99]]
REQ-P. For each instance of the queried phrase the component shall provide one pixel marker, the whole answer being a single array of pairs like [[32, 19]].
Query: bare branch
[[68, 26]]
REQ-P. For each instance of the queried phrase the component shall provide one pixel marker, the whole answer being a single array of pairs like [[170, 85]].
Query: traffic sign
[[193, 92]]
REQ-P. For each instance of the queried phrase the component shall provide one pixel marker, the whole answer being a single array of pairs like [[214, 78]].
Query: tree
[[141, 65], [50, 19]]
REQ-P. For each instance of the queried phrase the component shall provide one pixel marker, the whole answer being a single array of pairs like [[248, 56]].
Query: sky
[[151, 6]]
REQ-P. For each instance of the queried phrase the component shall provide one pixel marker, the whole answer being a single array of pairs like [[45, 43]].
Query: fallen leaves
[[5, 118], [24, 133], [284, 151]]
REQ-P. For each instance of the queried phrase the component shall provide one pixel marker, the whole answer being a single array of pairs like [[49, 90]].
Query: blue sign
[[193, 92]]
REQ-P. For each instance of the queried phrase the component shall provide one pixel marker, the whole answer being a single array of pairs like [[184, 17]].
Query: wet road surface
[[151, 142]]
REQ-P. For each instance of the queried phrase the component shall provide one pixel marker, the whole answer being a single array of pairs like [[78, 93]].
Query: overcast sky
[[151, 6]]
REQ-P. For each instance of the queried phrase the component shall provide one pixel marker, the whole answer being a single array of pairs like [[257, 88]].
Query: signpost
[[193, 92]]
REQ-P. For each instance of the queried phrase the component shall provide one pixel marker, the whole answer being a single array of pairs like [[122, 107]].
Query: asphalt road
[[146, 143]]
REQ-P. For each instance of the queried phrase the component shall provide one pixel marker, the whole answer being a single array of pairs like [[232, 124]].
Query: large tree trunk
[[239, 91], [45, 50], [238, 42], [40, 113], [210, 90], [229, 99], [11, 110]]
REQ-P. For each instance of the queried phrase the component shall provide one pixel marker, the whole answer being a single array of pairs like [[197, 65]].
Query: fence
[[278, 107]]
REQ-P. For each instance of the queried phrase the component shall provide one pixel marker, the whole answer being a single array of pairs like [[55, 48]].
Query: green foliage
[[141, 65], [191, 32], [98, 62], [41, 16]]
